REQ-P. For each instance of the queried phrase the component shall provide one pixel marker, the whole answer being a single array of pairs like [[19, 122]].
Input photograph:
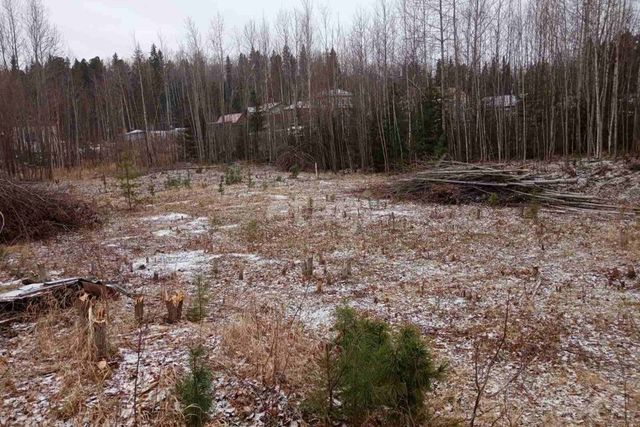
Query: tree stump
[[174, 306], [82, 306], [345, 273], [138, 307], [307, 268], [98, 330]]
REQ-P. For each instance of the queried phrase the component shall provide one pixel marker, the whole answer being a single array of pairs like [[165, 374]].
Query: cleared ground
[[564, 283]]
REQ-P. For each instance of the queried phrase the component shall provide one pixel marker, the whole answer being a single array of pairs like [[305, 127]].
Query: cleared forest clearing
[[563, 284]]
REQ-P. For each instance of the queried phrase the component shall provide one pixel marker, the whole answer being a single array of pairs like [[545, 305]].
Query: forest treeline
[[477, 79]]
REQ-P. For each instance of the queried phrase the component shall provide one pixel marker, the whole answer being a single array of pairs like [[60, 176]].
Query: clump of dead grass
[[271, 346], [253, 230], [61, 345]]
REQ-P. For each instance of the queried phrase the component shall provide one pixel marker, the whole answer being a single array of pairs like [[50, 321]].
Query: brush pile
[[460, 183], [29, 212], [291, 158]]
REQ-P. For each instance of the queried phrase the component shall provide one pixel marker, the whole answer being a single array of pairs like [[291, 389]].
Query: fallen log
[[18, 294]]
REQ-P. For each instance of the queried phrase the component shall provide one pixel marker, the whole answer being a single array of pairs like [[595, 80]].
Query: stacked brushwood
[[460, 183], [292, 157], [33, 212]]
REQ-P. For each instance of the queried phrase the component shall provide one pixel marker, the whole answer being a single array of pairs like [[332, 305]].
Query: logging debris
[[290, 158], [31, 212], [462, 183], [18, 294]]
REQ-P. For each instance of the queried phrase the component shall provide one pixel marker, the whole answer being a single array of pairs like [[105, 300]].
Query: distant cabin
[[231, 119], [139, 134], [267, 109], [501, 101], [339, 98]]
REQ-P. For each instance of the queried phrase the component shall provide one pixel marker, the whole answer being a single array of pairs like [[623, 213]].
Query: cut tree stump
[[98, 330], [138, 306], [82, 306], [174, 306], [307, 268]]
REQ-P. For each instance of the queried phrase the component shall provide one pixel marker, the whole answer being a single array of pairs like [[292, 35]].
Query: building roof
[[299, 104], [229, 118], [264, 108], [336, 92]]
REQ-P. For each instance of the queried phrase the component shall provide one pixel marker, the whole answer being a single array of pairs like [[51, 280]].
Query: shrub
[[198, 306], [251, 231], [374, 373], [177, 182], [232, 175], [194, 389]]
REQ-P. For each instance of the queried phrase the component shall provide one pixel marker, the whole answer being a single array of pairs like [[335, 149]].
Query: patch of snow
[[199, 225], [164, 233], [316, 317], [186, 263], [249, 257], [167, 217], [228, 227]]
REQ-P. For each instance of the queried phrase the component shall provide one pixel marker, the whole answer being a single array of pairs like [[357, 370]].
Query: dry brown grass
[[163, 408], [271, 347], [87, 171], [60, 346]]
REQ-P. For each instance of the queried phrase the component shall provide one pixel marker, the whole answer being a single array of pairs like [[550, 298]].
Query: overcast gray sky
[[102, 27]]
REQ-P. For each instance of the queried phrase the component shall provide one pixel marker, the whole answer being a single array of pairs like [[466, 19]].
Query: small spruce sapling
[[221, 186], [233, 175], [198, 306], [195, 389], [127, 181], [294, 171]]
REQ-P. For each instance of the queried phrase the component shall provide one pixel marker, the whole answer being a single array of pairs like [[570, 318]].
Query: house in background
[[139, 134], [273, 115], [505, 102], [134, 135], [269, 108], [337, 98], [231, 119]]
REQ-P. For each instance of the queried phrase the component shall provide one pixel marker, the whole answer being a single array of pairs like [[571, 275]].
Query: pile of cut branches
[[461, 183], [30, 212], [291, 157]]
